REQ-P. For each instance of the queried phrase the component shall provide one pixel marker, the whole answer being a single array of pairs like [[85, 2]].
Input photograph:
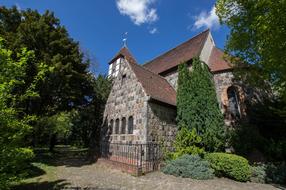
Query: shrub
[[229, 165], [276, 173], [251, 138], [187, 142], [269, 173], [189, 166], [276, 150], [258, 174]]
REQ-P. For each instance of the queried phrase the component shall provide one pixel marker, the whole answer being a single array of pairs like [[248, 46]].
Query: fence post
[[139, 169]]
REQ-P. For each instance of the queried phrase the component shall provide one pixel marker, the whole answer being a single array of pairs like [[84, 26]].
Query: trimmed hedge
[[189, 166], [230, 165]]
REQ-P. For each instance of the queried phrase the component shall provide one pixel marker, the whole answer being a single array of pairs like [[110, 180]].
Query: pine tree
[[197, 105]]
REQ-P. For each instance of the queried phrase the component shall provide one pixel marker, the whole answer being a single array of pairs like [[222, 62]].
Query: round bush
[[189, 166], [229, 165]]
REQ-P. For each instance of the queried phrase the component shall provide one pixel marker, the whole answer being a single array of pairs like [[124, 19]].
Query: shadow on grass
[[46, 185], [34, 171], [63, 155]]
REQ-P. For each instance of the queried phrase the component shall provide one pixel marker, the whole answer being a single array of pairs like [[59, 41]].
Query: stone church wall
[[172, 78], [222, 81], [126, 99], [161, 123]]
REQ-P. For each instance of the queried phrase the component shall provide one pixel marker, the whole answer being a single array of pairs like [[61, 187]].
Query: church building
[[141, 107]]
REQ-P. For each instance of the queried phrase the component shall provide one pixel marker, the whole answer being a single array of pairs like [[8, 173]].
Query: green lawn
[[42, 173]]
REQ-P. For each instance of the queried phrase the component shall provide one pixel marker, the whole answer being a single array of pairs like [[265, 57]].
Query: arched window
[[111, 130], [130, 125], [123, 125], [117, 126], [233, 102]]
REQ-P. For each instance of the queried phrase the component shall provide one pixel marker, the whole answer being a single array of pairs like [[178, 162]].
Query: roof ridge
[[145, 88], [185, 42], [146, 69], [142, 67]]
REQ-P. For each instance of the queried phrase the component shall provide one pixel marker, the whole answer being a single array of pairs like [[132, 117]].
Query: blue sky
[[153, 26]]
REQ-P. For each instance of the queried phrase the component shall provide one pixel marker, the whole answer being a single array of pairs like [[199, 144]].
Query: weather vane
[[125, 39]]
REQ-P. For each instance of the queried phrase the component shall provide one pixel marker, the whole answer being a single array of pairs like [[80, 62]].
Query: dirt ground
[[68, 169], [102, 176]]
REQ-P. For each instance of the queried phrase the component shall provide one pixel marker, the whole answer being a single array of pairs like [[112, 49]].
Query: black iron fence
[[133, 158]]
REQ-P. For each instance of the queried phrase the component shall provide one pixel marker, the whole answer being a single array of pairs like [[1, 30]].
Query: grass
[[42, 172], [49, 175], [37, 173]]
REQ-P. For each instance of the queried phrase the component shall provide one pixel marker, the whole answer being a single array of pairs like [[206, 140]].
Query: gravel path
[[101, 176]]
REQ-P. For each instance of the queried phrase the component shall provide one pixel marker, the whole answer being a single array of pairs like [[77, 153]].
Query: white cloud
[[153, 31], [139, 11], [208, 20]]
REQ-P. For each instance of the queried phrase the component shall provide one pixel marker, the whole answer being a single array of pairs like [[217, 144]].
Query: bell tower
[[114, 64]]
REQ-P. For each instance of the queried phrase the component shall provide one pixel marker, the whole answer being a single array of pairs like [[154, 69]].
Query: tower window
[[123, 125], [111, 126], [130, 125], [117, 126]]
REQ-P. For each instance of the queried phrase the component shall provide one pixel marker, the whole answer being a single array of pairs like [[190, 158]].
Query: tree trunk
[[53, 141]]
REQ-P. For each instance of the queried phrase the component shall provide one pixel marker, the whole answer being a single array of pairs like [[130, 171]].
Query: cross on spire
[[125, 39]]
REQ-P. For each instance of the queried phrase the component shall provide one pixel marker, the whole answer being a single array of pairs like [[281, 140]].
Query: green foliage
[[269, 173], [275, 150], [88, 120], [276, 173], [15, 124], [68, 83], [187, 142], [254, 139], [53, 128], [183, 96], [229, 165], [189, 166], [257, 36], [258, 174], [251, 138], [198, 106]]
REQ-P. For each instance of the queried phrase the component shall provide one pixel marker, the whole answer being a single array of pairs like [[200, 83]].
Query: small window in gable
[[110, 69], [123, 80], [116, 67]]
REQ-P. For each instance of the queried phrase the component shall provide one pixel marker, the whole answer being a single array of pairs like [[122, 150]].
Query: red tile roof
[[217, 61], [154, 85], [184, 52]]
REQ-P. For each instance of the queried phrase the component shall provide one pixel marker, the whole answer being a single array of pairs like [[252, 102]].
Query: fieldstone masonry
[[127, 98], [172, 78], [161, 123], [152, 121]]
